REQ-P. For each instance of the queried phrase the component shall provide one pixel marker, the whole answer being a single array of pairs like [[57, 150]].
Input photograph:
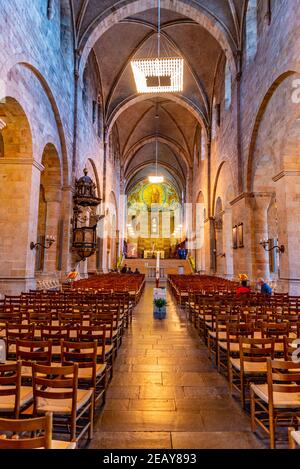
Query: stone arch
[[259, 116], [132, 100], [29, 64], [19, 187], [101, 24], [49, 212]]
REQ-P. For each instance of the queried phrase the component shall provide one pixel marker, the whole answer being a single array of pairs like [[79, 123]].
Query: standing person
[[265, 289], [124, 269]]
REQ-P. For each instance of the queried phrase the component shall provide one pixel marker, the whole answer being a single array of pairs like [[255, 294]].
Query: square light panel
[[164, 75]]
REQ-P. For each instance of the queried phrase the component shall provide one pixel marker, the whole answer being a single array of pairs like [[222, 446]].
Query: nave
[[165, 392]]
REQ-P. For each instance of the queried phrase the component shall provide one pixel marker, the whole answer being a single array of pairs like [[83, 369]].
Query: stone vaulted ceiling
[[179, 114]]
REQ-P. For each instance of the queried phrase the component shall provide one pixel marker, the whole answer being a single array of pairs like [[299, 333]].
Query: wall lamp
[[265, 243], [49, 241]]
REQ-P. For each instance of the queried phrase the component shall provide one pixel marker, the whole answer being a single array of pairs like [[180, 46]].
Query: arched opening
[[49, 261], [251, 30], [228, 85], [19, 192], [66, 29]]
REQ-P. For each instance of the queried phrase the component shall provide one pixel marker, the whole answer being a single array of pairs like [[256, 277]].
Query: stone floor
[[165, 392]]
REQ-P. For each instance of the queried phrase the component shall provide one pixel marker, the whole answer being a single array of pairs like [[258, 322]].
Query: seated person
[[124, 269], [137, 272], [265, 289], [129, 271], [243, 288]]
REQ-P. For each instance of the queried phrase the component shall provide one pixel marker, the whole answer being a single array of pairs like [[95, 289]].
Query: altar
[[151, 254]]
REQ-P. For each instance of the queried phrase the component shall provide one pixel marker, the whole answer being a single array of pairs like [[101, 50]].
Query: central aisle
[[165, 392]]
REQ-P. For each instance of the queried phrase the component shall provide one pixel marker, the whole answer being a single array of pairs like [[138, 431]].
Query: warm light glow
[[2, 124], [158, 75], [156, 179]]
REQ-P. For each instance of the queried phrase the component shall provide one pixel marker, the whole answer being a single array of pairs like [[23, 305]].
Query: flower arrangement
[[243, 277]]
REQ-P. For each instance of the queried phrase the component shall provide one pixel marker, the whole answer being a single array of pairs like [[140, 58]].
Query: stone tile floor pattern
[[165, 392]]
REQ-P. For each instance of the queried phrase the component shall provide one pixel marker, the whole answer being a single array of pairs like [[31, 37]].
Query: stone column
[[67, 214], [227, 242], [288, 209], [53, 198], [19, 200], [261, 204]]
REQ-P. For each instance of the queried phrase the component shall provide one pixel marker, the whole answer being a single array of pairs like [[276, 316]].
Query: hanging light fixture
[[156, 179], [158, 74]]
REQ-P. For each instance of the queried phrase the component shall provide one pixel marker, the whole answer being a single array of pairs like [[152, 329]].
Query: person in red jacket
[[243, 288]]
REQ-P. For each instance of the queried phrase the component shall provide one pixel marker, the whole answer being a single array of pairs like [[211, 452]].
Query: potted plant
[[160, 308]]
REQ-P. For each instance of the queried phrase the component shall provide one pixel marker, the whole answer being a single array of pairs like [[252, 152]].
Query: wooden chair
[[90, 373], [276, 403], [29, 351], [231, 347], [251, 365], [13, 396], [35, 433], [55, 389], [294, 438], [55, 333], [16, 332], [292, 349], [279, 331], [105, 349]]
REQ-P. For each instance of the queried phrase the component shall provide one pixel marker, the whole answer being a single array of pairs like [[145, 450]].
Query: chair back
[[10, 383], [54, 382], [26, 433], [283, 377]]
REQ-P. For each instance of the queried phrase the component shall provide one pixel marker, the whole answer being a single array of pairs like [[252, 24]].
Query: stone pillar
[[288, 209], [53, 198], [261, 204], [19, 200], [67, 214], [227, 243]]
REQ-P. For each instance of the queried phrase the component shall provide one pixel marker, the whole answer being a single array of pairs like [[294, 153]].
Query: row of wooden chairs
[[256, 344]]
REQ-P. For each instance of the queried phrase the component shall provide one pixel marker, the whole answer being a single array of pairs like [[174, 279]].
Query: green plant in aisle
[[160, 303]]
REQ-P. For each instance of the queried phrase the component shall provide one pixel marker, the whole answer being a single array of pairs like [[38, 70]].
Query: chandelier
[[162, 73]]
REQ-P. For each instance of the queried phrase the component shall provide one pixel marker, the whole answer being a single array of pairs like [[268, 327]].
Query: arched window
[[203, 145], [251, 30], [65, 28], [216, 118], [50, 9], [227, 87], [195, 153]]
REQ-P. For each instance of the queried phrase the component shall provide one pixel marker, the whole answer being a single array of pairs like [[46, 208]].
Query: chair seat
[[296, 436], [63, 406], [221, 334], [57, 444], [249, 367], [282, 400], [108, 349], [86, 373], [7, 403], [234, 347]]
